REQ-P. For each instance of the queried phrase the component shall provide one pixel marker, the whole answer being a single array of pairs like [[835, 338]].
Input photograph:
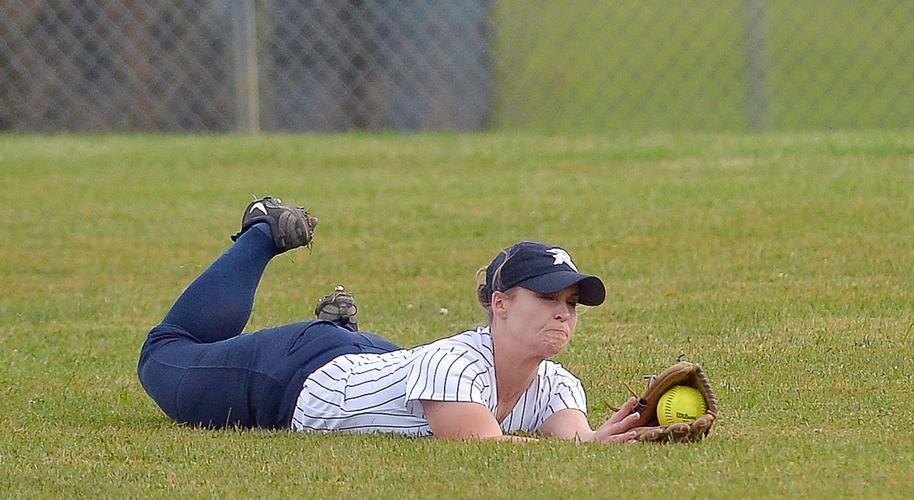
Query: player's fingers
[[627, 422], [618, 428], [625, 437], [624, 411]]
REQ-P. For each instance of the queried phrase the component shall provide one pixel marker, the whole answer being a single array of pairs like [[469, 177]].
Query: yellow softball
[[681, 403]]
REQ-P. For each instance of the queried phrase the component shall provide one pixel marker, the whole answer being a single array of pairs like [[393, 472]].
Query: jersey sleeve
[[447, 375], [566, 393]]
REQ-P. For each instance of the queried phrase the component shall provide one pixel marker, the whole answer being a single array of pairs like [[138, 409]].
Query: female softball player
[[322, 376]]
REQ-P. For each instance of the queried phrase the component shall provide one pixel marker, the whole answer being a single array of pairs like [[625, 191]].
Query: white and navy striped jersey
[[380, 393]]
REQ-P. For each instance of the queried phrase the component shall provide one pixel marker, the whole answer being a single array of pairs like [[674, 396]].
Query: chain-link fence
[[330, 65]]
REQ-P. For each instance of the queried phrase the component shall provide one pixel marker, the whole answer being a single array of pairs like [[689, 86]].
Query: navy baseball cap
[[541, 268]]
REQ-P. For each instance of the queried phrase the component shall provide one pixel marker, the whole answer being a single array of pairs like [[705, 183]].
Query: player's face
[[544, 322]]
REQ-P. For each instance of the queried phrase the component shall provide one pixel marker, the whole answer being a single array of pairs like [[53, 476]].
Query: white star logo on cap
[[562, 257]]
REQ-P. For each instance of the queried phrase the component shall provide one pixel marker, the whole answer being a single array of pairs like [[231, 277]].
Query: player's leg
[[217, 305], [374, 343], [249, 380], [184, 352]]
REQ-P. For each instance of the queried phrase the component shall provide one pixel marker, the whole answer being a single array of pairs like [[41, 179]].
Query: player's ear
[[500, 303]]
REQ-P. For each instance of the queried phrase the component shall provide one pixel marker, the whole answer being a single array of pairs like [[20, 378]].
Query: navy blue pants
[[201, 370]]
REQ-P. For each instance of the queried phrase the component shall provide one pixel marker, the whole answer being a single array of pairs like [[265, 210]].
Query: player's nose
[[564, 312]]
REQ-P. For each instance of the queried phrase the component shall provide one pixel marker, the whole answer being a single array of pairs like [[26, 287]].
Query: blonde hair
[[483, 296]]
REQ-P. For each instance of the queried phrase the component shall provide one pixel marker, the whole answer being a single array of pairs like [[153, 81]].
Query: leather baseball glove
[[648, 428]]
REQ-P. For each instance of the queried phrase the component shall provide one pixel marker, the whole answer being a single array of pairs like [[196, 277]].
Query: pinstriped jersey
[[381, 393]]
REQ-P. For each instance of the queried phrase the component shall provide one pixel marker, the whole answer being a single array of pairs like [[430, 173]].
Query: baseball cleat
[[340, 308], [292, 227]]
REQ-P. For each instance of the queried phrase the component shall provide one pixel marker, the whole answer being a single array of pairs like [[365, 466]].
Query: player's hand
[[618, 428]]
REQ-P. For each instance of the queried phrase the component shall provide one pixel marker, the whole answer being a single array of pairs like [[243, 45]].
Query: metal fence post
[[757, 65], [244, 49]]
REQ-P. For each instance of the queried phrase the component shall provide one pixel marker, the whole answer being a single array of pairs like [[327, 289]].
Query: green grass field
[[783, 264]]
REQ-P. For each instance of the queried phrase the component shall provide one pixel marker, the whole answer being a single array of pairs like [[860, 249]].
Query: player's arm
[[572, 424], [457, 420]]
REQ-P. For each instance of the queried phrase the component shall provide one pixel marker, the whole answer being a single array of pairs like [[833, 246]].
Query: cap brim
[[591, 291]]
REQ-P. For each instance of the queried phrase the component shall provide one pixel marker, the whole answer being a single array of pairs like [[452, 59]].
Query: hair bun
[[481, 277], [481, 294]]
